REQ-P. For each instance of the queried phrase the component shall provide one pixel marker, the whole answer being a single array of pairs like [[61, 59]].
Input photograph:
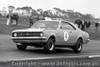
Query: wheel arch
[[52, 36], [80, 38], [48, 47]]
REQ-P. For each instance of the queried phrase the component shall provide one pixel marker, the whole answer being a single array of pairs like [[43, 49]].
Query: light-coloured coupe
[[50, 34]]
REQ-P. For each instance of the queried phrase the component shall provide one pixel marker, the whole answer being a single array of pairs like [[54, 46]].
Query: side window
[[65, 25]]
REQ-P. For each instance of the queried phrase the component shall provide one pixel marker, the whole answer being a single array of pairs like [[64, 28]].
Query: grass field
[[24, 23]]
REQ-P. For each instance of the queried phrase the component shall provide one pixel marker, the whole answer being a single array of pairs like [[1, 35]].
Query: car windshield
[[46, 24]]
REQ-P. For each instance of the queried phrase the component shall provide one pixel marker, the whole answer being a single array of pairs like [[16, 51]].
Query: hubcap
[[51, 45], [79, 46]]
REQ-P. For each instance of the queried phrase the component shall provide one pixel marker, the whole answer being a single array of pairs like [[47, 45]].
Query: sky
[[82, 6]]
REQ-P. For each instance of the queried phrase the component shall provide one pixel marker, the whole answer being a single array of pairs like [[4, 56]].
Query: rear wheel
[[78, 46], [21, 46], [49, 46]]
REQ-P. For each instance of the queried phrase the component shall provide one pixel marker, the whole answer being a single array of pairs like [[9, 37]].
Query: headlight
[[41, 34], [15, 34]]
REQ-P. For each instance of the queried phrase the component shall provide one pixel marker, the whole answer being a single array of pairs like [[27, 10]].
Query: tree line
[[58, 13]]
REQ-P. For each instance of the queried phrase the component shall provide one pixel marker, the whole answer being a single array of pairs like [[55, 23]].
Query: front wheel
[[78, 46], [49, 46], [21, 46]]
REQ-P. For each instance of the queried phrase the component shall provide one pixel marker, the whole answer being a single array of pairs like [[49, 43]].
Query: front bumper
[[29, 39], [86, 41]]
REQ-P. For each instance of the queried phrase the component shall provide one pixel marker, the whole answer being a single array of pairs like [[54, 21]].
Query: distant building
[[3, 13], [21, 12]]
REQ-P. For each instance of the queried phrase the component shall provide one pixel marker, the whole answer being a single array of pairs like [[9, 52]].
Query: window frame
[[68, 24]]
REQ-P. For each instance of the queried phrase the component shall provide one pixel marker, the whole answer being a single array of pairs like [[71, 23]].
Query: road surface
[[8, 50]]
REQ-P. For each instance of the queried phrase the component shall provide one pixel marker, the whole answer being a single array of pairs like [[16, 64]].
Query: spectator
[[15, 18], [9, 20], [31, 21], [78, 22], [37, 17], [83, 25], [96, 26], [88, 24]]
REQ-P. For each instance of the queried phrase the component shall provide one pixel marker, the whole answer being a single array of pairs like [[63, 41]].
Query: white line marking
[[94, 56]]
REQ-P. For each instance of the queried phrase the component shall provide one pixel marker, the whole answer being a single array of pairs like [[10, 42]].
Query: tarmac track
[[9, 51]]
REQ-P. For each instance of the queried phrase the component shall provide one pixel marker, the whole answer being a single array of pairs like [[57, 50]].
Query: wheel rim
[[79, 46], [51, 45]]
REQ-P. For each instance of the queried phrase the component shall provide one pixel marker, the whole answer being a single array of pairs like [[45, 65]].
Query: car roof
[[61, 21], [58, 21], [50, 20], [54, 20]]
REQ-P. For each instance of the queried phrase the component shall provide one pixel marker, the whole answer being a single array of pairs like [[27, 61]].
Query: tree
[[18, 8], [58, 9], [71, 11], [45, 14], [27, 8], [89, 16], [39, 11]]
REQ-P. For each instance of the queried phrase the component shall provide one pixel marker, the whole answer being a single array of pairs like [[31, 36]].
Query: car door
[[69, 33]]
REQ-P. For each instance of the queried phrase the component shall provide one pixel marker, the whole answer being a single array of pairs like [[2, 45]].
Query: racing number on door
[[66, 36]]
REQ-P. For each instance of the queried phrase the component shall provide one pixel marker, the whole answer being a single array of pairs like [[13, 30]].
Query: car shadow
[[56, 51]]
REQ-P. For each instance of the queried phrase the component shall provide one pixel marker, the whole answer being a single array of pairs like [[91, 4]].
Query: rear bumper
[[29, 39]]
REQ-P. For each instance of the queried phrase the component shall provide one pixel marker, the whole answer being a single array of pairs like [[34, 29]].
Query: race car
[[50, 34]]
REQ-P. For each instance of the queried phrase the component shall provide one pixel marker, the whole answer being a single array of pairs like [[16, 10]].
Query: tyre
[[78, 46], [21, 47], [49, 46]]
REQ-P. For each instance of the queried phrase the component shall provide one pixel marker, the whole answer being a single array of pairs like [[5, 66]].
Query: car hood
[[29, 30]]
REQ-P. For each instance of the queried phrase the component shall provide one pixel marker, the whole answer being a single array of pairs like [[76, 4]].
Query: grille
[[28, 34]]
